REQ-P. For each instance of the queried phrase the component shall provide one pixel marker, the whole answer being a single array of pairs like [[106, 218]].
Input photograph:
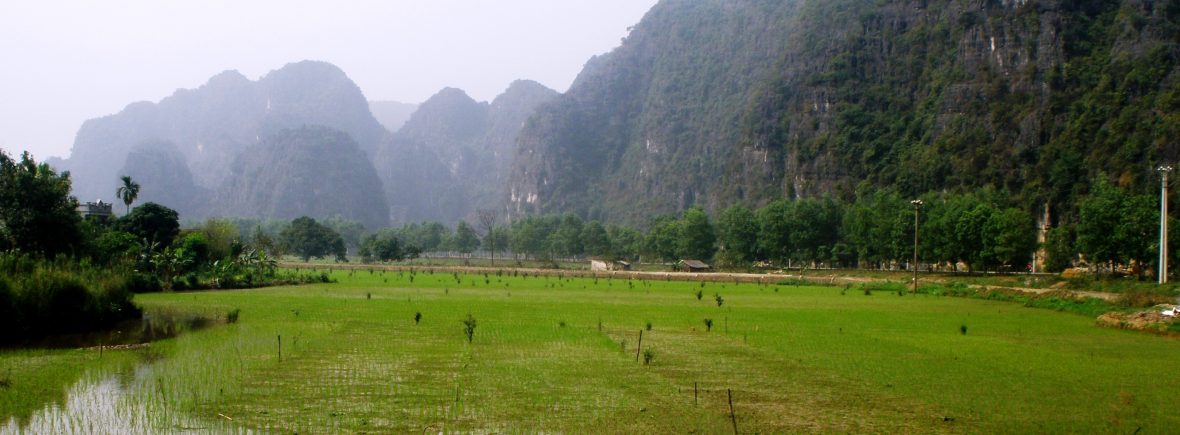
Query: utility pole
[[1163, 272], [917, 206]]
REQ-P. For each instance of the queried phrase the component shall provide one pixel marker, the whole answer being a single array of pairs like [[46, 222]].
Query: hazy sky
[[67, 61]]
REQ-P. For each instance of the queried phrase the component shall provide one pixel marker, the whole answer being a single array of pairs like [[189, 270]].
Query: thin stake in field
[[640, 346], [732, 416]]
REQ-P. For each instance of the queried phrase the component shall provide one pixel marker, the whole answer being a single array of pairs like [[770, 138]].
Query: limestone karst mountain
[[211, 125]]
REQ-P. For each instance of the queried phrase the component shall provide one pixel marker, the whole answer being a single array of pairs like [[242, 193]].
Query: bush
[[7, 313], [139, 282], [39, 298], [1140, 299], [469, 327]]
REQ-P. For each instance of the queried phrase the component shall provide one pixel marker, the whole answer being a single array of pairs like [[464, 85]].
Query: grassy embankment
[[796, 359]]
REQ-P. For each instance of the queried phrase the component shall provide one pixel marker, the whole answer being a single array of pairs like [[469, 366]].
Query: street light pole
[[1163, 272], [917, 206]]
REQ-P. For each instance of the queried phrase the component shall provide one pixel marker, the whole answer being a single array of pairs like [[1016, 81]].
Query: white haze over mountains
[[68, 61]]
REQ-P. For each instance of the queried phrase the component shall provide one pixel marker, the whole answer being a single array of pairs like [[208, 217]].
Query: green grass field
[[560, 355]]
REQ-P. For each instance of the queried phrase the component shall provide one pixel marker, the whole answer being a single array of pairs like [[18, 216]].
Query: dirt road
[[819, 277]]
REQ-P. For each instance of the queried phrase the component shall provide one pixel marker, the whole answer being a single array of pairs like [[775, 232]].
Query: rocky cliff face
[[451, 158], [211, 125], [164, 178], [307, 171], [712, 102]]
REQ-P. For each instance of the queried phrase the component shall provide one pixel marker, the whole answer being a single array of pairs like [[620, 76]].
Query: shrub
[[1141, 299], [232, 316], [648, 355], [417, 317], [708, 325], [139, 282], [45, 297], [720, 300], [469, 327]]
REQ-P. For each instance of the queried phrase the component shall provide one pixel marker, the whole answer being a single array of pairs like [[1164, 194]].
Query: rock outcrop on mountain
[[711, 102], [451, 158]]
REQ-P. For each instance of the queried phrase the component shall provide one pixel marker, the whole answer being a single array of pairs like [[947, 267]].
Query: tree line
[[980, 230]]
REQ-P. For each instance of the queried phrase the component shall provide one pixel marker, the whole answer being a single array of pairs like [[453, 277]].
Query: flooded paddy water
[[125, 400]]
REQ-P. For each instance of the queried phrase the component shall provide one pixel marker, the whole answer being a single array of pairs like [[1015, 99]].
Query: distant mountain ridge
[[277, 147], [211, 125]]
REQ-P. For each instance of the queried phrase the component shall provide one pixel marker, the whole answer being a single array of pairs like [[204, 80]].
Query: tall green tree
[[698, 240], [567, 240], [1138, 230], [128, 192], [310, 239], [383, 246], [352, 231], [530, 236], [971, 234], [625, 242], [662, 240], [465, 240], [1012, 238], [879, 226], [737, 231], [774, 230], [595, 240], [153, 223], [1059, 249], [814, 229], [37, 213], [1099, 217]]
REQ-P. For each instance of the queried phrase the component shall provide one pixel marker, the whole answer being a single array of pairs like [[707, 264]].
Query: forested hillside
[[712, 102]]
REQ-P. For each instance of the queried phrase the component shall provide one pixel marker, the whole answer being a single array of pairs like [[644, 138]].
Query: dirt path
[[819, 277]]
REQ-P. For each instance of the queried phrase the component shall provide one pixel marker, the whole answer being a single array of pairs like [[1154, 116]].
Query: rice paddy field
[[388, 352]]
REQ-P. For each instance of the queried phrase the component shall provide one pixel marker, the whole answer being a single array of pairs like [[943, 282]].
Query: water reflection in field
[[114, 405], [131, 401]]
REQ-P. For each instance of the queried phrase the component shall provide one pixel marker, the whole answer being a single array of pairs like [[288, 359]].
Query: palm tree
[[128, 192]]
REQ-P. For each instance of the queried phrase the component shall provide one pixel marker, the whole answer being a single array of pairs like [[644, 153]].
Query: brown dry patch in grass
[[1150, 320]]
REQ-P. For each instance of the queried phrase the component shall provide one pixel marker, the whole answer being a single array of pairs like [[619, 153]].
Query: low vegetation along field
[[390, 352]]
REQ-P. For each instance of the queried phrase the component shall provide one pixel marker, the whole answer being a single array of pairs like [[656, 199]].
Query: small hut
[[694, 266]]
